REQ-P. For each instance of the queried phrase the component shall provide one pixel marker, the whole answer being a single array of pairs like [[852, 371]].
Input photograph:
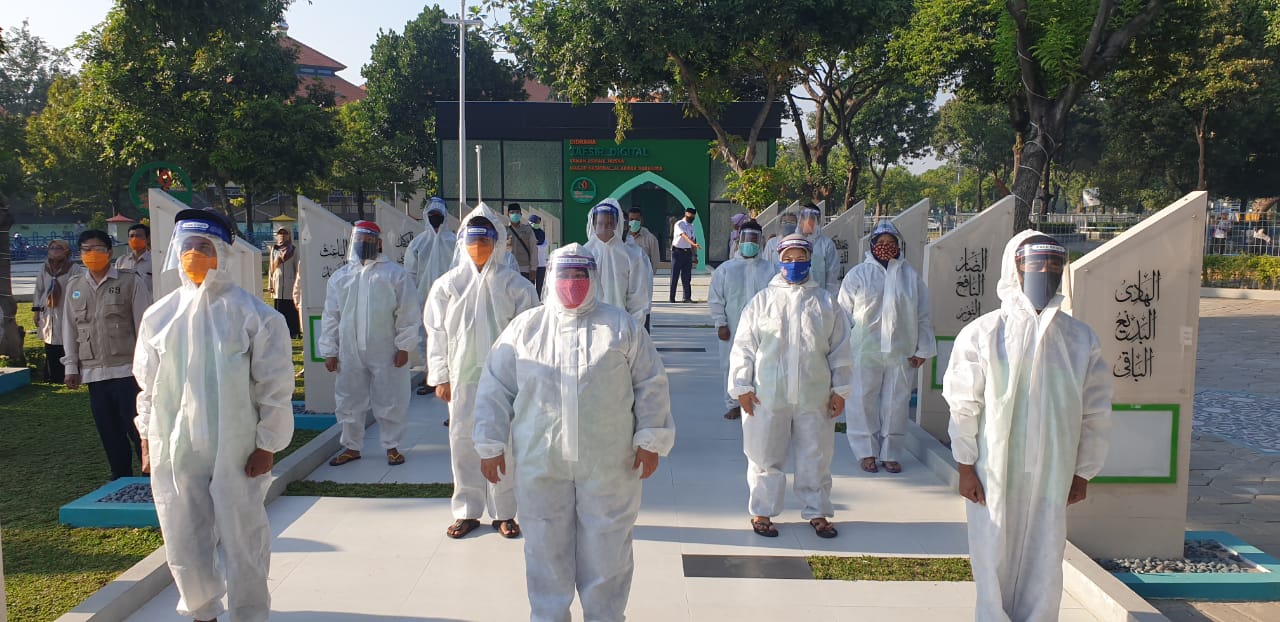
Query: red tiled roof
[[539, 92], [344, 92], [309, 56]]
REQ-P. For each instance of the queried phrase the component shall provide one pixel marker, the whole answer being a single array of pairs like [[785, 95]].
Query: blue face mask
[[795, 271], [749, 249]]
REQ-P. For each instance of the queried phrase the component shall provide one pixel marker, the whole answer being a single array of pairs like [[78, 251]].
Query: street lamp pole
[[462, 22], [395, 193], [479, 170]]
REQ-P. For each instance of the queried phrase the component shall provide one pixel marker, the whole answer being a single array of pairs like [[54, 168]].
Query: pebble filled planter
[[125, 502], [13, 378], [1218, 567]]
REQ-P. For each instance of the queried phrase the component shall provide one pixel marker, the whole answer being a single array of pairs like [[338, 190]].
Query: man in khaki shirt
[[104, 307], [138, 258]]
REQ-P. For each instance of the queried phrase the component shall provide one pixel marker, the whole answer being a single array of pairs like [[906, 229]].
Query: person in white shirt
[[544, 248], [684, 246]]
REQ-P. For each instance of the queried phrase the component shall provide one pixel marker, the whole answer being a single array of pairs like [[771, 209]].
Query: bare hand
[[835, 406], [402, 358], [915, 361], [971, 486], [723, 333], [146, 458], [492, 468], [1079, 490], [646, 459], [331, 363], [260, 463], [748, 402], [72, 381], [444, 393]]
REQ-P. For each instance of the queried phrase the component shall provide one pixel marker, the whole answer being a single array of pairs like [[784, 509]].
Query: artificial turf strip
[[307, 488], [867, 568], [841, 427]]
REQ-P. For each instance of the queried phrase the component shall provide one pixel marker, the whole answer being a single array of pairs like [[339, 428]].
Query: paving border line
[[1239, 294], [135, 587], [1103, 595]]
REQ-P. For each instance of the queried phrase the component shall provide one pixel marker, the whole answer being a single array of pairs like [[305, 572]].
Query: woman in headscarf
[[47, 305], [737, 221]]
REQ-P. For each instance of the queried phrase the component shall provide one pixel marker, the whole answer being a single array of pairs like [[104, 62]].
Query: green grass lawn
[[307, 488], [891, 568]]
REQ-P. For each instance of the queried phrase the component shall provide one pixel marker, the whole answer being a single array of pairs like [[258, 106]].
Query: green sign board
[[596, 169]]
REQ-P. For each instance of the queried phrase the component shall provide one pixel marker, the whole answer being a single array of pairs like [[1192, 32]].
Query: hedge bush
[[1246, 271]]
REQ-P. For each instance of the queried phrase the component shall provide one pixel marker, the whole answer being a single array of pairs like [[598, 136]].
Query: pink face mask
[[572, 292]]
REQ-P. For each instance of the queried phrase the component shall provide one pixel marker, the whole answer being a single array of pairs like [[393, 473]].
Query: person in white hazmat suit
[[466, 310], [372, 317], [213, 362], [1030, 400], [733, 284], [580, 390], [825, 265], [790, 371], [888, 306], [625, 276], [430, 255]]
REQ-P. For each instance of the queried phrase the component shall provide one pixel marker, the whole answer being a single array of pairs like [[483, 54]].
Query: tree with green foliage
[[28, 66], [409, 72], [976, 135], [894, 127], [363, 160]]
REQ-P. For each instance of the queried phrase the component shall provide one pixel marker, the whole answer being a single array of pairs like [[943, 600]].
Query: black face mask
[[1041, 287], [436, 219], [367, 250]]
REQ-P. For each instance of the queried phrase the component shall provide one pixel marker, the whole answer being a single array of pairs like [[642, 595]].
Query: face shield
[[605, 222], [810, 219], [1040, 261], [197, 248], [789, 223], [479, 242], [365, 242], [749, 243], [571, 279], [794, 252]]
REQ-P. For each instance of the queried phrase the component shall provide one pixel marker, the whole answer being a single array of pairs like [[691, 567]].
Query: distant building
[[314, 66]]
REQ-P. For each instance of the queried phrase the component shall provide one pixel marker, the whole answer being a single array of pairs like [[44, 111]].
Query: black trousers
[[681, 269], [54, 371], [290, 313], [114, 404], [540, 279]]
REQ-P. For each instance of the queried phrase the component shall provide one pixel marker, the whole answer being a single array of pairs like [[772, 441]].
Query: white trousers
[[1017, 566], [384, 389], [767, 437], [876, 414], [473, 495]]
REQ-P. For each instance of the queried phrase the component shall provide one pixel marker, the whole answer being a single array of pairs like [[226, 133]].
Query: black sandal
[[823, 528], [462, 527], [764, 528], [508, 528]]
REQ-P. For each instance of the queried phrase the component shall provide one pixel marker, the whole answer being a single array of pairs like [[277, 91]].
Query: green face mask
[[515, 219], [634, 225]]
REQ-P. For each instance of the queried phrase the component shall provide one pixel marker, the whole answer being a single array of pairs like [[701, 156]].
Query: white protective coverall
[[733, 284], [1026, 444], [371, 310], [825, 260], [626, 278], [576, 391], [214, 365], [430, 253], [466, 310], [792, 351], [888, 307]]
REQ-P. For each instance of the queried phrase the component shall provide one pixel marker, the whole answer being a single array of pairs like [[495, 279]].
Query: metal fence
[[1236, 233]]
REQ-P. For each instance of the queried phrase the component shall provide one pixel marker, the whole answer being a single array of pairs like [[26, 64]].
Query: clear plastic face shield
[[749, 243], [479, 242], [794, 253], [365, 243], [571, 278], [810, 219], [1040, 261], [197, 249], [789, 222], [606, 222]]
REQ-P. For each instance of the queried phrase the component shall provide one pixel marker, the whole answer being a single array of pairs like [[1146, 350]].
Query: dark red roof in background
[[308, 56]]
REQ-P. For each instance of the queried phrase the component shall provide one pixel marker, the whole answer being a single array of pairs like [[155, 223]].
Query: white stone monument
[[3, 611], [244, 265], [913, 224], [845, 231], [767, 214], [398, 230], [322, 242], [1141, 294], [961, 270]]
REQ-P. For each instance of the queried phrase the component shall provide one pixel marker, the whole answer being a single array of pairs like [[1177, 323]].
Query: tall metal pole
[[479, 170], [462, 23]]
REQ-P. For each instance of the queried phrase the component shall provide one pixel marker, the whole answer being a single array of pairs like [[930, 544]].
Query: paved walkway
[[388, 559]]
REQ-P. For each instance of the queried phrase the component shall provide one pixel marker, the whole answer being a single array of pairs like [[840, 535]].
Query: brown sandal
[[508, 528], [823, 528], [764, 527], [892, 467], [462, 527], [734, 413], [869, 465], [347, 455], [394, 457]]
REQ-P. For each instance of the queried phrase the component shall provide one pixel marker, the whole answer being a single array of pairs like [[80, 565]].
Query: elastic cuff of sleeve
[[738, 392], [490, 451]]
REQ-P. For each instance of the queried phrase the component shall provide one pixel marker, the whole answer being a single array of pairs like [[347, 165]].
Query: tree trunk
[[851, 185], [11, 335], [1026, 182], [1002, 187], [1045, 190], [248, 217], [1201, 182], [360, 203], [977, 197]]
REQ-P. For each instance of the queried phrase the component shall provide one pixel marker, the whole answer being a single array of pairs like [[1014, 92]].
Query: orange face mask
[[480, 253], [137, 244], [95, 261], [197, 265]]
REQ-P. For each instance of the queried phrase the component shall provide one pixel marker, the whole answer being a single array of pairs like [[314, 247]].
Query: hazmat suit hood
[[566, 257], [200, 229], [1009, 289], [619, 222], [500, 246], [886, 226]]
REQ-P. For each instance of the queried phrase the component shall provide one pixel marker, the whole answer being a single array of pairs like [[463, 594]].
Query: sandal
[[394, 457], [892, 467], [508, 528], [462, 527], [764, 527], [734, 413], [348, 455], [422, 389], [869, 465], [823, 528]]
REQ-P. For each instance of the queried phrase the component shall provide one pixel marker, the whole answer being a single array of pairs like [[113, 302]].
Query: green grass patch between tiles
[[841, 427], [868, 568], [306, 488]]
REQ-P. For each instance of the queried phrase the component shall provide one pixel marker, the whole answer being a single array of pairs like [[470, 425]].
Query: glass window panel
[[533, 169]]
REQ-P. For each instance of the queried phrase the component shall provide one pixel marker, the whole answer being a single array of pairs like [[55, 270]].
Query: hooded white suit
[[466, 310], [888, 307], [577, 391], [626, 278], [1027, 444], [733, 284]]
